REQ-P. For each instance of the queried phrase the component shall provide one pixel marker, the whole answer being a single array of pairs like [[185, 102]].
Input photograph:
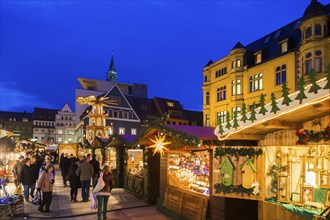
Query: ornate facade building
[[261, 67]]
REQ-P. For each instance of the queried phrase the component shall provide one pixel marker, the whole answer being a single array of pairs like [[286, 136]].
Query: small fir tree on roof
[[253, 112], [312, 77], [285, 94], [327, 86], [263, 110], [235, 124], [220, 131], [301, 95], [228, 125], [244, 118], [274, 104]]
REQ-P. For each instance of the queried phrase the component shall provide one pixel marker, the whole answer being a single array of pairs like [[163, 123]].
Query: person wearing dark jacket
[[17, 170], [28, 179], [65, 166], [74, 179], [104, 194], [96, 166], [45, 185], [86, 172]]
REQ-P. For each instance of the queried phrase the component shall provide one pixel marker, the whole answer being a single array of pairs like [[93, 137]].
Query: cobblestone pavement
[[122, 205]]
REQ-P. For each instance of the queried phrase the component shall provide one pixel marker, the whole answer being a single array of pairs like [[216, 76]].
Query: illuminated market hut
[[289, 167]]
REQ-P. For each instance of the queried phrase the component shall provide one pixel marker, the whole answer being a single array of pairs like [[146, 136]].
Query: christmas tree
[[253, 112], [274, 104], [235, 124], [244, 118], [228, 120], [263, 110], [312, 77], [301, 95], [220, 131], [285, 94], [327, 86]]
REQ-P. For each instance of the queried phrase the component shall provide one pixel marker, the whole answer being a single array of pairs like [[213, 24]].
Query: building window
[[236, 87], [277, 34], [280, 74], [205, 78], [257, 58], [318, 61], [60, 132], [221, 115], [133, 131], [256, 82], [59, 139], [221, 94], [284, 47], [110, 130], [238, 63], [237, 109], [220, 72], [115, 114], [233, 64], [207, 120], [308, 33], [308, 63], [317, 29], [170, 104], [125, 114], [121, 131], [25, 119], [207, 98]]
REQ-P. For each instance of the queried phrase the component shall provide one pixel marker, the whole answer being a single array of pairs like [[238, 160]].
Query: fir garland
[[220, 188], [245, 151], [306, 136]]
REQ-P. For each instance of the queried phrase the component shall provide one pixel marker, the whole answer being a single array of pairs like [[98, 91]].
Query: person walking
[[65, 166], [85, 171], [17, 170], [96, 166], [74, 179], [28, 179], [104, 194], [45, 185]]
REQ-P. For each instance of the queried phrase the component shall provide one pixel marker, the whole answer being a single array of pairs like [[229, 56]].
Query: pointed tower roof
[[315, 8], [112, 73], [209, 63], [238, 45]]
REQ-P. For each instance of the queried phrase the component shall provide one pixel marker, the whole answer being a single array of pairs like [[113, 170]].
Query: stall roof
[[316, 105], [203, 133]]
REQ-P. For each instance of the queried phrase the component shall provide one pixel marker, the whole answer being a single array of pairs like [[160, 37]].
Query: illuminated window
[[25, 119], [256, 82], [233, 64], [237, 109], [133, 131], [59, 139], [280, 74], [207, 120], [169, 104], [284, 47], [222, 116], [121, 131], [257, 58], [238, 63], [110, 130], [60, 132], [236, 87]]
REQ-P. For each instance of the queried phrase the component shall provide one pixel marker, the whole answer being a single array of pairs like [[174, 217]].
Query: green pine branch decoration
[[306, 136], [244, 117], [274, 108], [312, 77], [285, 94], [327, 86], [220, 188], [242, 151], [263, 110], [301, 95]]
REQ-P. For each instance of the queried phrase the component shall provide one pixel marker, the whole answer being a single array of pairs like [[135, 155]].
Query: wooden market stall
[[288, 170]]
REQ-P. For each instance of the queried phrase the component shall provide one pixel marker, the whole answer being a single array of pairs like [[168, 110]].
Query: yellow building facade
[[262, 66]]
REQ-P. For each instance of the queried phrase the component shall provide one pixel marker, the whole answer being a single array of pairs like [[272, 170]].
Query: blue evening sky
[[47, 45]]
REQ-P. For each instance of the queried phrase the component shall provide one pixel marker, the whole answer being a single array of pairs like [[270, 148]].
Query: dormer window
[[169, 104], [257, 58], [277, 34], [238, 63], [284, 46]]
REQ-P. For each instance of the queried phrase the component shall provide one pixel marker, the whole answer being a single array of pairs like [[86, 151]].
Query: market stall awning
[[203, 133], [315, 105]]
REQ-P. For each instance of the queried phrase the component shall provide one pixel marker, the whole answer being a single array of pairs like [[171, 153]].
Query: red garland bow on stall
[[306, 136]]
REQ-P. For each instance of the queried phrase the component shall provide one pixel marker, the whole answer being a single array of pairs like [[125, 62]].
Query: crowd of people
[[36, 171]]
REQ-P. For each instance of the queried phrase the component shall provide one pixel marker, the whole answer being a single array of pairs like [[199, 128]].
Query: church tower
[[112, 74]]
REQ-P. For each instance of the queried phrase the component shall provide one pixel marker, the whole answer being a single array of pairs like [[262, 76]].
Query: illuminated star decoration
[[159, 145]]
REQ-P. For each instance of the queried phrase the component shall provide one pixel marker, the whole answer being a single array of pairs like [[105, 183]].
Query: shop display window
[[190, 171], [135, 162], [112, 157]]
